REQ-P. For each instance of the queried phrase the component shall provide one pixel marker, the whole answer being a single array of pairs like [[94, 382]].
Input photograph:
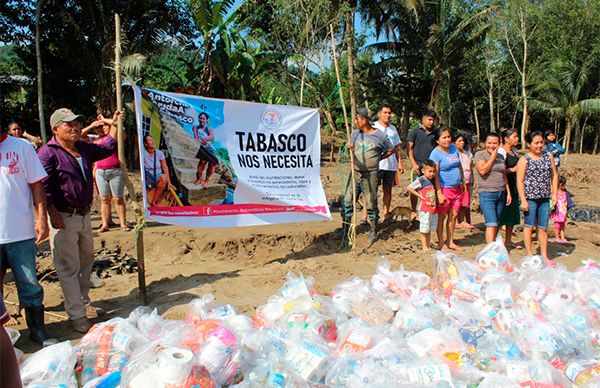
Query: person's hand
[[118, 114], [508, 199], [416, 169], [57, 221], [525, 206], [494, 153], [41, 230], [400, 169], [441, 197]]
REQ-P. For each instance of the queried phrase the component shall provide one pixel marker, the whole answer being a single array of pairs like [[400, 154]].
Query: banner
[[215, 163]]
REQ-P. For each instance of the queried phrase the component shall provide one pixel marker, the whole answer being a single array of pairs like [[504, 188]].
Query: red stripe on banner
[[232, 210]]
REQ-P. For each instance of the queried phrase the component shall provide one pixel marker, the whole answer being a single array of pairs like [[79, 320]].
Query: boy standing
[[427, 209]]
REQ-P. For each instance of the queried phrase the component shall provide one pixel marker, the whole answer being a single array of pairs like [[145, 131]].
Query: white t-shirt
[[19, 167], [391, 163], [149, 161]]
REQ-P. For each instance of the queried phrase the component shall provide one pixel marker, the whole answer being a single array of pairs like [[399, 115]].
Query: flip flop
[[125, 228], [102, 229]]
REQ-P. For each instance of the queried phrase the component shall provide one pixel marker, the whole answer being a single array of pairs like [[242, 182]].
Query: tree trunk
[[302, 83], [350, 43], [567, 140], [405, 121], [498, 101], [476, 125], [596, 141], [449, 100], [434, 101], [490, 77], [38, 57], [333, 130], [582, 135]]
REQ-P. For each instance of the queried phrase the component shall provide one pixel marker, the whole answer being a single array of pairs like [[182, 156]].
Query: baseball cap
[[62, 115], [364, 112]]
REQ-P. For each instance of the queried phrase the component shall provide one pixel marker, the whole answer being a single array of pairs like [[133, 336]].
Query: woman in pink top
[[110, 182]]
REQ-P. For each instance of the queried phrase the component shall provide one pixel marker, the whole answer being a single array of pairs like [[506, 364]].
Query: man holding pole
[[69, 194], [369, 146]]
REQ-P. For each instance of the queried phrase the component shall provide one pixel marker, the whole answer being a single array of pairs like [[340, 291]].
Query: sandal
[[102, 229], [125, 228]]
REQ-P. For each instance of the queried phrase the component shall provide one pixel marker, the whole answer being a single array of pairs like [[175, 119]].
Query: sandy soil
[[244, 266]]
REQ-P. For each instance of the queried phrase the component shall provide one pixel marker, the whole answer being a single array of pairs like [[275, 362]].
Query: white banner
[[212, 163]]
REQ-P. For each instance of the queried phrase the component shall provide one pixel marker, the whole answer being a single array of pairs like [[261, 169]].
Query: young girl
[[537, 183], [559, 214], [461, 142]]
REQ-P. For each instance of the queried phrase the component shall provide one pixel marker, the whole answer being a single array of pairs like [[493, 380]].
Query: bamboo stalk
[[341, 92], [139, 231]]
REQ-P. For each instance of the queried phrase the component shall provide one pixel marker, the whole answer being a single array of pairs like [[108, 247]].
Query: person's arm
[[484, 167], [559, 148], [211, 135], [163, 165], [413, 187], [411, 157], [554, 179], [508, 194], [521, 167], [399, 158], [39, 200], [49, 164], [34, 139], [86, 130], [437, 183]]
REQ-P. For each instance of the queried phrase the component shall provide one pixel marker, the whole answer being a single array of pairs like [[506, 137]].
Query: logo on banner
[[271, 119]]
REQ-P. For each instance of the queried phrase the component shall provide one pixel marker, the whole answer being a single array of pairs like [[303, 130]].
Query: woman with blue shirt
[[449, 184]]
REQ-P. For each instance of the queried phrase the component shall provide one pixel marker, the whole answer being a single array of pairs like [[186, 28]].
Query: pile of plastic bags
[[486, 323]]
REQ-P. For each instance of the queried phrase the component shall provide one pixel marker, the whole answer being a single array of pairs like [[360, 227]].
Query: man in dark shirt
[[69, 193], [420, 145]]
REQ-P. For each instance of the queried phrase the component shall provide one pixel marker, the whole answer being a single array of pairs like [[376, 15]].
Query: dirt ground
[[244, 266]]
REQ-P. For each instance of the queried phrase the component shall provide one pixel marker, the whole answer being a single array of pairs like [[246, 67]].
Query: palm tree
[[452, 32], [561, 90], [212, 18]]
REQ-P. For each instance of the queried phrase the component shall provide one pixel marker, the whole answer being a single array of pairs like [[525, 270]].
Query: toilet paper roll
[[125, 343], [504, 319], [175, 365]]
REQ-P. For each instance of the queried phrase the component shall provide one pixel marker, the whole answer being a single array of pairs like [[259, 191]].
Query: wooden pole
[[139, 228], [339, 81]]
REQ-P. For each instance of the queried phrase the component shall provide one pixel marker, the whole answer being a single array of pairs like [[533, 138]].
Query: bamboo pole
[[139, 228], [341, 92]]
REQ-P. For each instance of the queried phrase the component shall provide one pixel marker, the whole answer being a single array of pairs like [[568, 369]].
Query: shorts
[[387, 178], [538, 214], [465, 200], [453, 197], [559, 225], [206, 155], [110, 182], [491, 204], [427, 222]]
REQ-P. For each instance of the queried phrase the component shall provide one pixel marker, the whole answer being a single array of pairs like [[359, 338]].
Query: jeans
[[110, 182], [20, 257], [368, 185], [491, 204], [538, 214]]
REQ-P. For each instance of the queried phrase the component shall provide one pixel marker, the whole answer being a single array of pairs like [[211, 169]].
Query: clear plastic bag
[[51, 366]]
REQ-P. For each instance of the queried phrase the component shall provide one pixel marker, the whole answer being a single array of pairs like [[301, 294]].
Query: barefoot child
[[561, 209], [427, 209]]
